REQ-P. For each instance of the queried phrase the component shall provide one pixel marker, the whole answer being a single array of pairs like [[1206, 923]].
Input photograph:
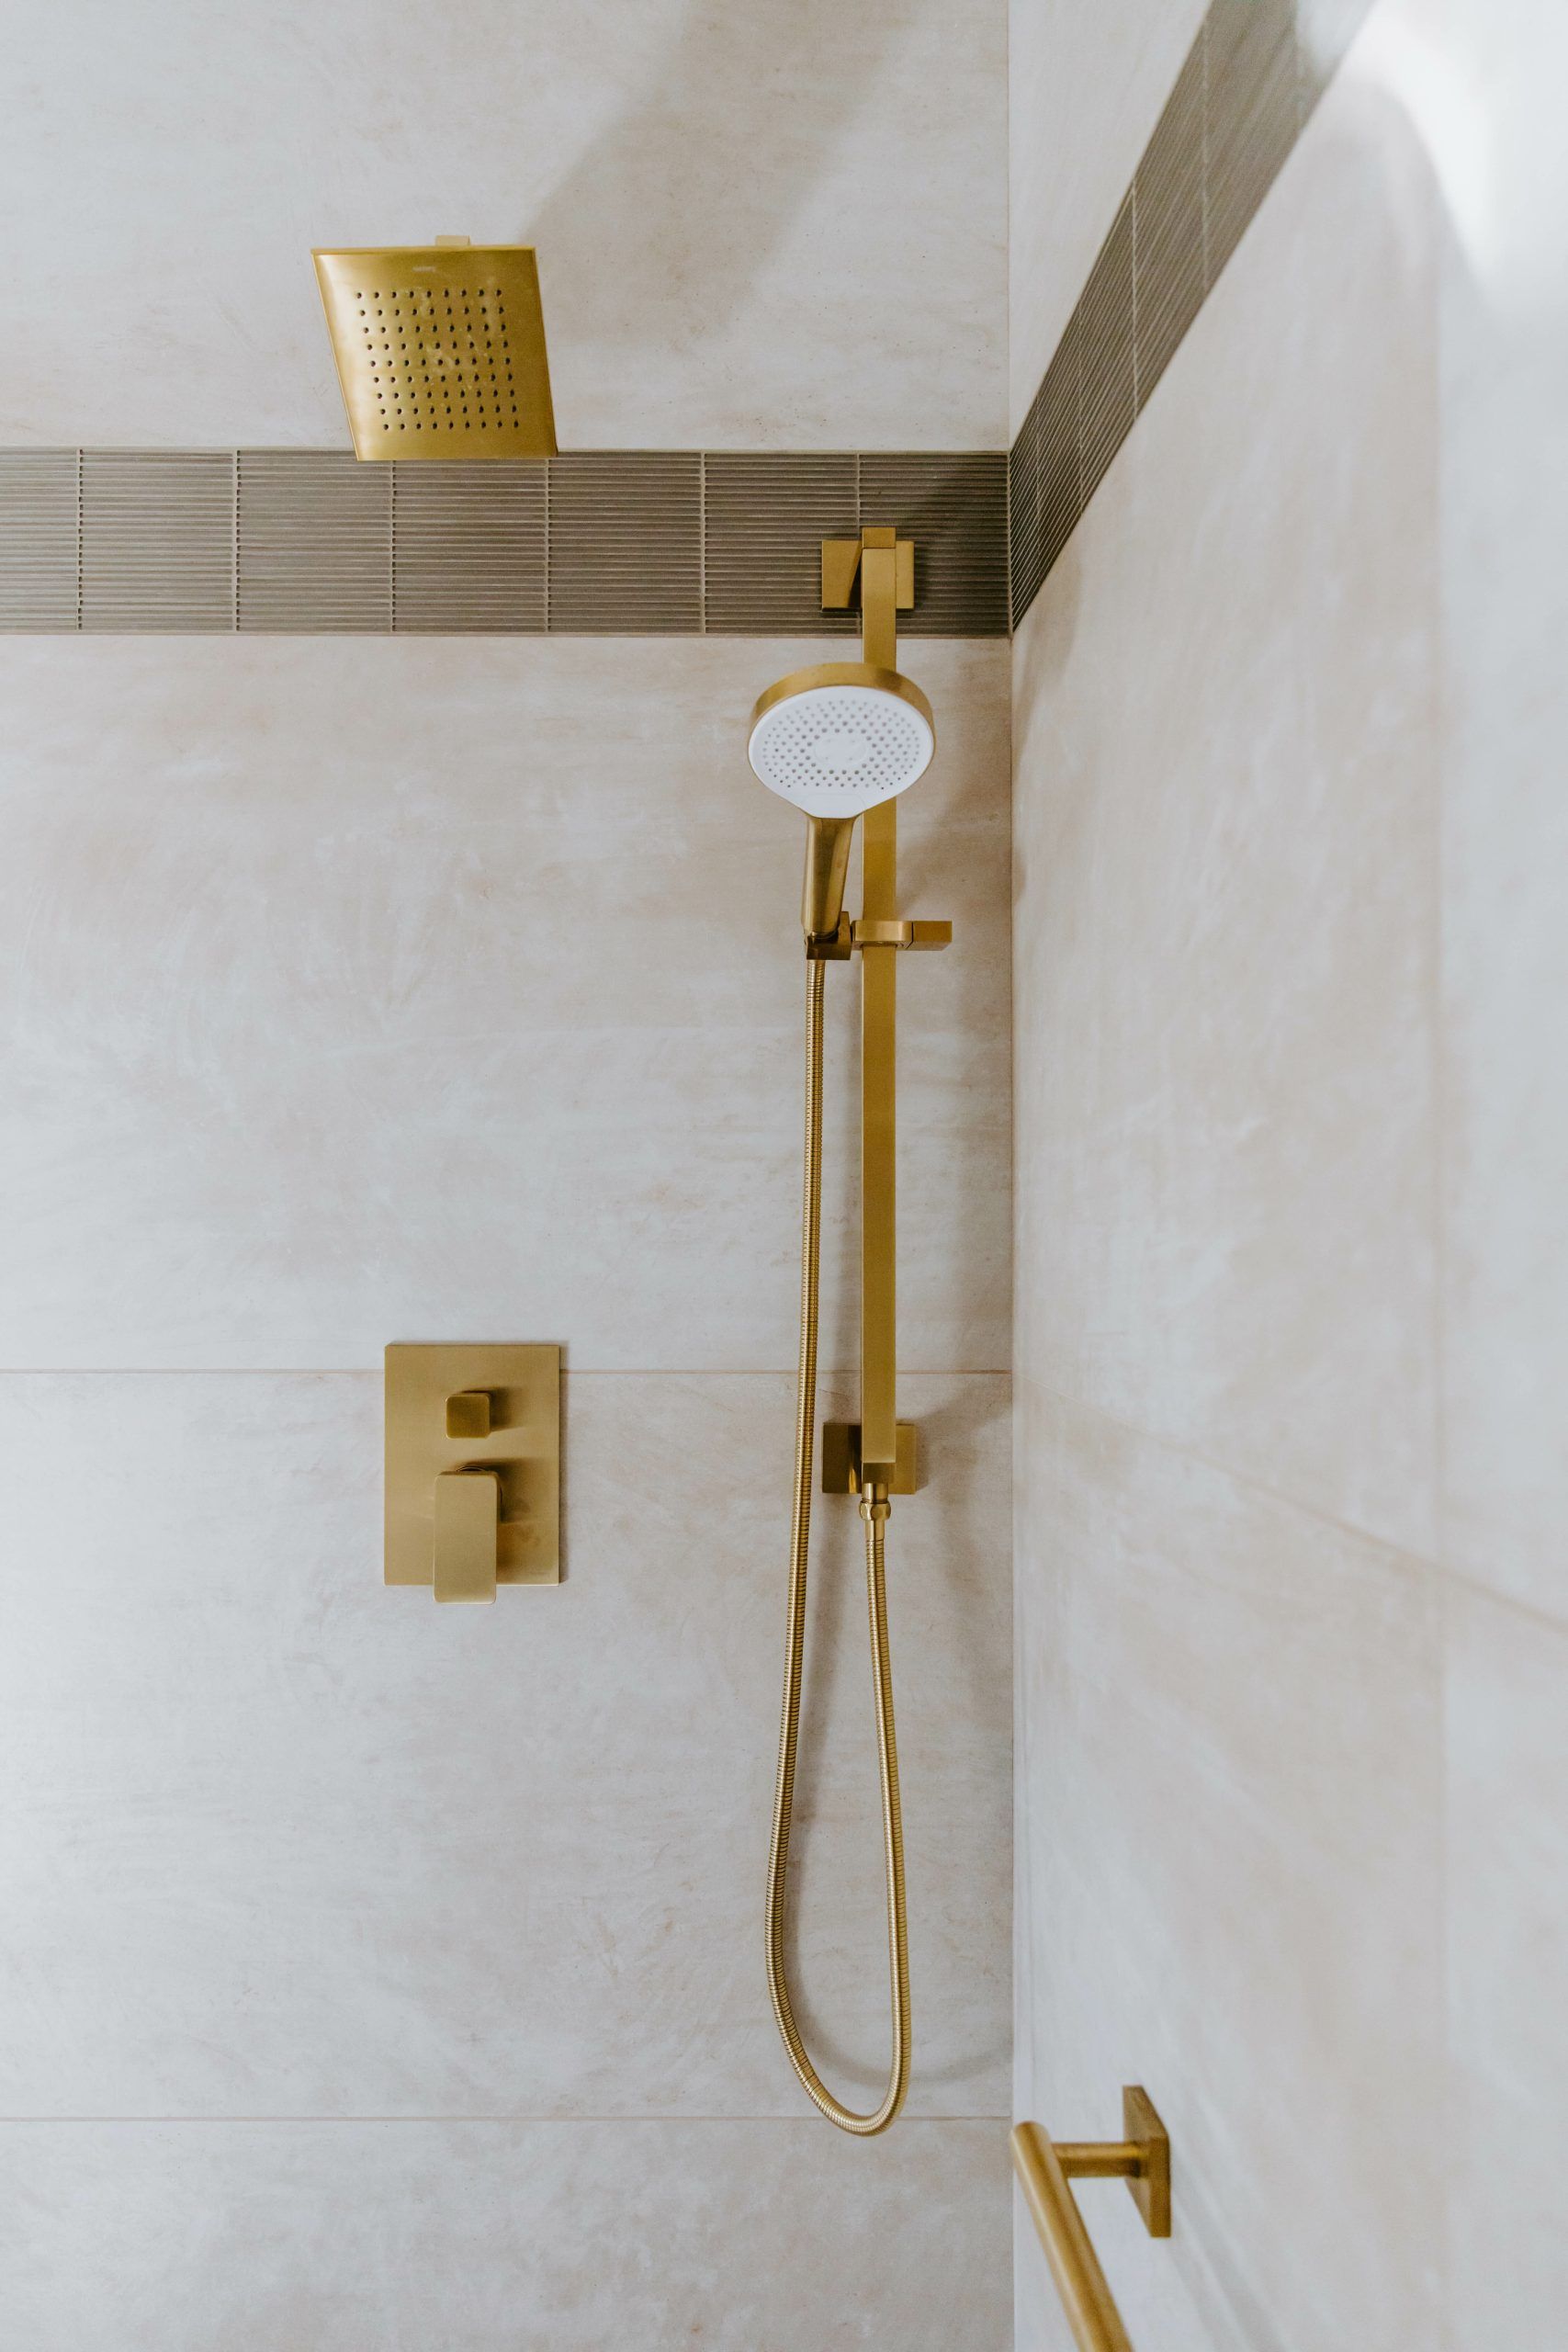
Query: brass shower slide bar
[[1045, 2166]]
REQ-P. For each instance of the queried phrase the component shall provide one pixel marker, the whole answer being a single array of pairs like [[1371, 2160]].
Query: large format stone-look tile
[[1507, 1944], [1086, 87], [279, 1841], [757, 227], [1504, 810], [1225, 830], [367, 990], [1231, 1773], [545, 2237]]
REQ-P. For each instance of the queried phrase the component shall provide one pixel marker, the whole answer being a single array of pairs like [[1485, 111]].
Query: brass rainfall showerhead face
[[440, 349]]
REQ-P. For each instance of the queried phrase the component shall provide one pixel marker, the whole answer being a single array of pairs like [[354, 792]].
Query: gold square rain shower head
[[440, 349]]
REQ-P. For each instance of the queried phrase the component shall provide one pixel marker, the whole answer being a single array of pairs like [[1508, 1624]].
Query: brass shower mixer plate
[[473, 1468]]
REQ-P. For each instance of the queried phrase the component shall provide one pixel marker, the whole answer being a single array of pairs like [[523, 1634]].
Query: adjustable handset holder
[[876, 1453]]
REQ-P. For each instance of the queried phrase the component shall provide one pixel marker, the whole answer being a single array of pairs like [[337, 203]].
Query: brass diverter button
[[473, 1468], [468, 1413]]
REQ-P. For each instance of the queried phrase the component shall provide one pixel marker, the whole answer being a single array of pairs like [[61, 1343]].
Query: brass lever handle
[[467, 1523], [1045, 2166]]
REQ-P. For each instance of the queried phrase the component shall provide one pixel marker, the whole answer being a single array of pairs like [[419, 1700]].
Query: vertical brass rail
[[880, 935], [879, 1139], [1046, 2167], [879, 1067]]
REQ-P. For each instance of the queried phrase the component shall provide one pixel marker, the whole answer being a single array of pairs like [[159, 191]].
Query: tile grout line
[[1246, 1480], [506, 2122], [374, 1371], [702, 543], [81, 455]]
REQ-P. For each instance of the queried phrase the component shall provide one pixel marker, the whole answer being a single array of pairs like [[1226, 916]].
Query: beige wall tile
[[368, 991], [1508, 1944], [743, 2237], [1505, 814], [282, 1842], [1225, 719], [1231, 1779], [1086, 88], [757, 227]]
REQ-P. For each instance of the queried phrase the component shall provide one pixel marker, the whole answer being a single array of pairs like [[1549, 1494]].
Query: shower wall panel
[[1293, 1329], [361, 989], [757, 227]]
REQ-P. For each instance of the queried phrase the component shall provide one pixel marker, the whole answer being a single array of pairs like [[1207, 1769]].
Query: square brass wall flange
[[840, 1458], [1141, 2128], [490, 1410]]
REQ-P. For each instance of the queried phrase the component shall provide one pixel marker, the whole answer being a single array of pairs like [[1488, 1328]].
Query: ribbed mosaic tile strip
[[626, 544], [1250, 81], [41, 550], [468, 549], [613, 542], [765, 520], [314, 533], [157, 541], [956, 510]]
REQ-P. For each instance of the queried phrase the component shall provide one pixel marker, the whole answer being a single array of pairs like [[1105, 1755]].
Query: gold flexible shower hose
[[873, 1512]]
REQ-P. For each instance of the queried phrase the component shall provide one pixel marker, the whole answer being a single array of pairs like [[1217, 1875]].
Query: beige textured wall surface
[[1086, 88], [381, 1975], [779, 226], [1291, 1223]]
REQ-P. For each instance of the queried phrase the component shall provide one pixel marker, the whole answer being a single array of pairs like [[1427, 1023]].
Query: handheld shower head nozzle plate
[[837, 739]]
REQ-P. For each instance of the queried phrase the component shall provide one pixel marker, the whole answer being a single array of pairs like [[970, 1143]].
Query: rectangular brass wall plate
[[521, 1450], [841, 570], [1141, 2128], [840, 1458]]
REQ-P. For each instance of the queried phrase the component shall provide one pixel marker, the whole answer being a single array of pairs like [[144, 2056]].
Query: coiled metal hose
[[873, 1512]]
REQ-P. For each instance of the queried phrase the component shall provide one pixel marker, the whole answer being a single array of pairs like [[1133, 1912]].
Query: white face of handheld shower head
[[837, 739]]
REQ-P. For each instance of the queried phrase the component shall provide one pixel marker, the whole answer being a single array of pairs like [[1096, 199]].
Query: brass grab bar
[[1045, 2166]]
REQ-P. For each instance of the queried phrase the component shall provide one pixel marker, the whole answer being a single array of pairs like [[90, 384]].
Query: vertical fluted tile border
[[1252, 77]]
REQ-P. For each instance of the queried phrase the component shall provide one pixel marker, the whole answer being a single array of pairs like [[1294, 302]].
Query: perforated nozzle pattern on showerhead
[[836, 750], [440, 350]]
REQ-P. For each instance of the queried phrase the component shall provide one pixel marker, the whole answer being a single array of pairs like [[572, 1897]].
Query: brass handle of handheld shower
[[828, 842]]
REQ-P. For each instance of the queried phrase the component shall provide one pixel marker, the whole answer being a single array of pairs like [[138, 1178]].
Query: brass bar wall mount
[[1046, 2167]]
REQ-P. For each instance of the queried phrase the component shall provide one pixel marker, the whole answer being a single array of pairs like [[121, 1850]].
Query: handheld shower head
[[840, 738], [836, 740]]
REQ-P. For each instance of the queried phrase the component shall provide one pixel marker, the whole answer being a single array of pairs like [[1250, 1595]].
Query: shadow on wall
[[695, 184]]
